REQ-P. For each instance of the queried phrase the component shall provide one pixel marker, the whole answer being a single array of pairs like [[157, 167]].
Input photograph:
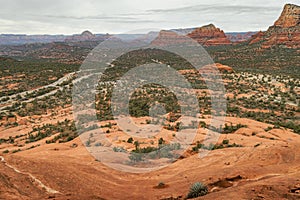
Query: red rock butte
[[285, 31], [290, 16], [209, 35]]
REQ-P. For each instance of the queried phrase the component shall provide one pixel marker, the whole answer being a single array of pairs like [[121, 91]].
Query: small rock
[[260, 196]]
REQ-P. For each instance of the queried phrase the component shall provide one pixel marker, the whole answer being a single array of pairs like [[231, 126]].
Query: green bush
[[6, 151], [119, 149], [130, 140], [196, 190], [225, 142], [135, 157]]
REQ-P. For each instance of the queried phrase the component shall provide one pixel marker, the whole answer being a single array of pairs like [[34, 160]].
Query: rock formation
[[290, 16], [84, 36], [285, 31], [209, 35], [87, 36], [211, 68], [165, 38]]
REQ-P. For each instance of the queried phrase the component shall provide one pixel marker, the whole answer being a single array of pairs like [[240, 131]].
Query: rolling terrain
[[44, 155]]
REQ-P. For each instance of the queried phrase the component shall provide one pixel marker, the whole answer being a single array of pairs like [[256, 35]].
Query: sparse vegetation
[[225, 144], [6, 151], [196, 190], [130, 140]]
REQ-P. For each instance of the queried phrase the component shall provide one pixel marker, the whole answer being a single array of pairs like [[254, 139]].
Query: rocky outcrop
[[257, 37], [211, 68], [224, 68], [285, 31], [209, 35], [289, 17]]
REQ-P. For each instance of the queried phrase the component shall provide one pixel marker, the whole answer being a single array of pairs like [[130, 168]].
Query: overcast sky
[[119, 16]]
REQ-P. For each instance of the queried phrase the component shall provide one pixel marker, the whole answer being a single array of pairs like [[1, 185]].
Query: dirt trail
[[12, 98], [40, 184]]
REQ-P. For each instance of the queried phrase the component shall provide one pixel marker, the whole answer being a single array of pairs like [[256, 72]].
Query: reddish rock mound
[[220, 67], [224, 68], [209, 35], [285, 31]]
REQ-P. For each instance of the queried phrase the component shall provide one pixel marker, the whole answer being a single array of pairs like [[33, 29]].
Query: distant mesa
[[240, 36], [285, 31], [209, 35], [166, 37], [86, 36]]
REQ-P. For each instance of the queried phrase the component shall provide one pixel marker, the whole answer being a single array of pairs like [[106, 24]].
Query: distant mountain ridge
[[285, 32], [21, 39], [240, 36], [87, 36], [15, 39]]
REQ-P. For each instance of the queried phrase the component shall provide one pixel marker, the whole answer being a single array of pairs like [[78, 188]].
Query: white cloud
[[101, 16]]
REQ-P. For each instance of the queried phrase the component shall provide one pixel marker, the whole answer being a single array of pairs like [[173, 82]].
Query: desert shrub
[[161, 141], [256, 145], [130, 140], [203, 124], [98, 144], [88, 143], [135, 157], [119, 149], [234, 145], [145, 150], [161, 185], [225, 142], [268, 129], [231, 129], [6, 151], [16, 150], [196, 190]]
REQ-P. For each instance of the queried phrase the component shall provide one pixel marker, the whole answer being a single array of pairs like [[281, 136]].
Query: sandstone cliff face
[[290, 16], [285, 31], [209, 35]]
